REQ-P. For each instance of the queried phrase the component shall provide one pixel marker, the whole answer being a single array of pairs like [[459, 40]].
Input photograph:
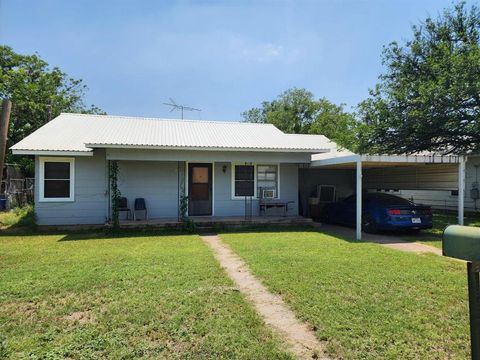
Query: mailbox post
[[463, 242]]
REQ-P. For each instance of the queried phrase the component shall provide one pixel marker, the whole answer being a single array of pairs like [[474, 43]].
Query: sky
[[223, 57]]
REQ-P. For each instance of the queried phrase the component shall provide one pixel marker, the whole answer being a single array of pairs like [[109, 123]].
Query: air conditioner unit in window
[[268, 194]]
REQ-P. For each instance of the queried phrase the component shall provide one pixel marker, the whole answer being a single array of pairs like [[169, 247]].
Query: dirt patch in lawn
[[81, 317], [298, 335], [25, 309]]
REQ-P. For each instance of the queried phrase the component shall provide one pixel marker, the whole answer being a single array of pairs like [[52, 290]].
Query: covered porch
[[207, 188]]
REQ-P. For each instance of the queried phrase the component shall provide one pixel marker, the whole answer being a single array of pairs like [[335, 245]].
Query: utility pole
[[4, 121]]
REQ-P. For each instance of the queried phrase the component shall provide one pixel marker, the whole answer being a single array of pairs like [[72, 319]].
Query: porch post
[[461, 189], [359, 200]]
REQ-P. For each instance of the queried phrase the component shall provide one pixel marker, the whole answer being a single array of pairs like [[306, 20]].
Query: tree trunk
[[4, 122]]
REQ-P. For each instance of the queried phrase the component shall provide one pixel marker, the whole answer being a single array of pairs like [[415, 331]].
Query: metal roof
[[81, 133], [347, 159]]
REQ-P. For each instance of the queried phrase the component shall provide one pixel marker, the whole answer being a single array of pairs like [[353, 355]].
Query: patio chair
[[140, 206], [122, 205]]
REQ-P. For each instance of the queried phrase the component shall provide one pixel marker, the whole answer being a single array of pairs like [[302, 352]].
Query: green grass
[[90, 296], [364, 300], [440, 221], [21, 217]]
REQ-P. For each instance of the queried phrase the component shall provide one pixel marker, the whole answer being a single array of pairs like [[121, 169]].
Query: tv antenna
[[182, 108]]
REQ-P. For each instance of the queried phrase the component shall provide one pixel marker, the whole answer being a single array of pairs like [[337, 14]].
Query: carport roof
[[347, 159]]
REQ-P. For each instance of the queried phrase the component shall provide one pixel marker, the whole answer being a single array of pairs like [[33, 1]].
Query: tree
[[429, 96], [38, 93], [296, 111]]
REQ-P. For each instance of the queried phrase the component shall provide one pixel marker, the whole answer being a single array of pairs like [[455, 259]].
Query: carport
[[396, 171]]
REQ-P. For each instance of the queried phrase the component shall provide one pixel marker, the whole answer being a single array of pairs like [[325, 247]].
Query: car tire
[[369, 225]]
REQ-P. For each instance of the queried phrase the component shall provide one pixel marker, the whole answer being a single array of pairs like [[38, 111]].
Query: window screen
[[267, 179], [56, 180], [326, 193], [244, 180]]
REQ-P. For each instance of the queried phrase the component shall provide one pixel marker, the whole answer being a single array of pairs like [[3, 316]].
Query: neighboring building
[[439, 197], [214, 163]]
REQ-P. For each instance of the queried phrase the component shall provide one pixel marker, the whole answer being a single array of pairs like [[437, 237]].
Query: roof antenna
[[176, 106]]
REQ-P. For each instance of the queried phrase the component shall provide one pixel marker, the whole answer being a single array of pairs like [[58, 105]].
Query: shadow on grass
[[339, 232], [126, 233], [28, 228], [107, 234], [18, 221]]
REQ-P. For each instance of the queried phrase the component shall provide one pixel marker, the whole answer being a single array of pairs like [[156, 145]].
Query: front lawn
[[91, 296], [364, 300]]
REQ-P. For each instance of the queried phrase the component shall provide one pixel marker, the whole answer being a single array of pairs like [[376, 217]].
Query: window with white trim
[[267, 181], [244, 180], [56, 179]]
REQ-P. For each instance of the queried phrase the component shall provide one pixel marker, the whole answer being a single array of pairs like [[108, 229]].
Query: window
[[267, 180], [244, 180], [56, 179], [326, 193]]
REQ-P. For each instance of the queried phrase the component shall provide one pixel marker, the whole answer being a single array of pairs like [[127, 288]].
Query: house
[[222, 169], [213, 163]]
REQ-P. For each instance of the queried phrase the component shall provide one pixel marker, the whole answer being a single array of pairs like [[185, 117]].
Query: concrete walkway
[[388, 240], [299, 337]]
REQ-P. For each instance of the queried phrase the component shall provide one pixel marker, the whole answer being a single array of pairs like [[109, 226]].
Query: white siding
[[443, 199]]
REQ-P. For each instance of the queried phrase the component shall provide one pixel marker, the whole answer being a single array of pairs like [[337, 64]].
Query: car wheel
[[369, 225]]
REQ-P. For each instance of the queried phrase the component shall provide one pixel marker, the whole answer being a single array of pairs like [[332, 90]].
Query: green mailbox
[[463, 242]]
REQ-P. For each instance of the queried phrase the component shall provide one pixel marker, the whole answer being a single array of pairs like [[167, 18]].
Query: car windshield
[[387, 199]]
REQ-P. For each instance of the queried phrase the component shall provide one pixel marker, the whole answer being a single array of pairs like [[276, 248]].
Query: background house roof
[[81, 133]]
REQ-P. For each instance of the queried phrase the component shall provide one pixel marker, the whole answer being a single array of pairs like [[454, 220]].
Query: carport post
[[359, 200], [461, 189]]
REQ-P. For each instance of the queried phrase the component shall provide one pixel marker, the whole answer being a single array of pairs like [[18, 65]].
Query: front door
[[199, 189]]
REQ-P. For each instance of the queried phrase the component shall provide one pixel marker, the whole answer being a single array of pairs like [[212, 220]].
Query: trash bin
[[3, 204]]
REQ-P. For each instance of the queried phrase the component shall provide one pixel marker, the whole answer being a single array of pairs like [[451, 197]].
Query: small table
[[265, 205]]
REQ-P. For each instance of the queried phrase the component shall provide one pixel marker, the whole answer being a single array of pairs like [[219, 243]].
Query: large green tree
[[38, 94], [429, 96], [296, 111]]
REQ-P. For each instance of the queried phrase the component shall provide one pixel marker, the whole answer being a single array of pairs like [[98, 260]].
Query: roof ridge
[[306, 134], [167, 119]]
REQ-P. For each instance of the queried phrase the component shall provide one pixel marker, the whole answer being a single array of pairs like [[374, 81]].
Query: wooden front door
[[200, 189]]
